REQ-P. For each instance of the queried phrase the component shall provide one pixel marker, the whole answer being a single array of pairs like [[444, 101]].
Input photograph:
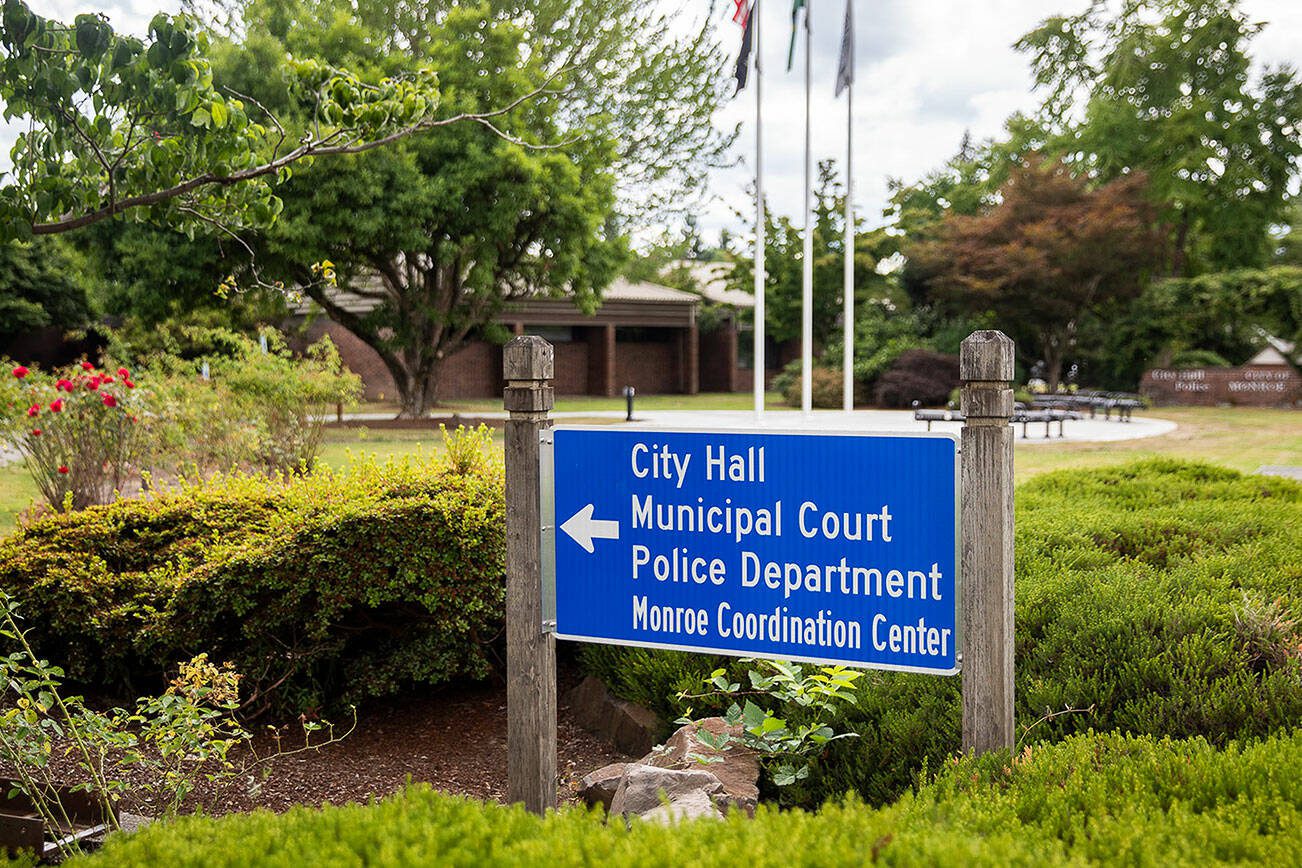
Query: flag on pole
[[743, 56], [796, 6], [845, 69], [740, 13]]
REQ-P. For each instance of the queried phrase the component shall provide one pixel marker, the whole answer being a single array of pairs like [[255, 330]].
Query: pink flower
[[33, 410], [107, 378], [56, 406], [124, 373], [63, 468], [36, 432], [110, 401], [87, 366], [65, 385], [129, 384], [92, 383], [20, 372]]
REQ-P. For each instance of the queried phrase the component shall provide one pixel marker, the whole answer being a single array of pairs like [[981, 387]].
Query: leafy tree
[[784, 252], [434, 235], [1226, 313], [647, 77], [39, 287], [118, 124], [1052, 252], [1166, 88]]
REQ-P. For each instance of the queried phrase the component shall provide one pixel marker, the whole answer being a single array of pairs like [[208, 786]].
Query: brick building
[[643, 335]]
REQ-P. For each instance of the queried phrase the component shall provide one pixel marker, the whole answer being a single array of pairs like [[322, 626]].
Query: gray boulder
[[644, 788]]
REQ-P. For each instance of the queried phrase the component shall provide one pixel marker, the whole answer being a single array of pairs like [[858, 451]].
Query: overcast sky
[[926, 71]]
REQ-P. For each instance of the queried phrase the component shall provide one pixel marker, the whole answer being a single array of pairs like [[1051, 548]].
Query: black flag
[[743, 57], [845, 69]]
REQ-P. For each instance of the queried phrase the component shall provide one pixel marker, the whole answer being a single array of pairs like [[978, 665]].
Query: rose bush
[[78, 429]]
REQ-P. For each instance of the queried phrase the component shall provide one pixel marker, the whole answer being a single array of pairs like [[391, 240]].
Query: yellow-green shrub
[[333, 586], [1101, 799]]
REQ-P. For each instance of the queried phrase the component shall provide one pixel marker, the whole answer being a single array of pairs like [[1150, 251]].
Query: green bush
[[825, 388], [1199, 359], [330, 587], [1162, 595], [1104, 799]]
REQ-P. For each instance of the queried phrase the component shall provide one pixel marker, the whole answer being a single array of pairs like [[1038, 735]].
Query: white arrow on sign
[[583, 528]]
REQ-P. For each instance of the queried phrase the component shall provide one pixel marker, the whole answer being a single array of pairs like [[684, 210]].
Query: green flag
[[796, 6]]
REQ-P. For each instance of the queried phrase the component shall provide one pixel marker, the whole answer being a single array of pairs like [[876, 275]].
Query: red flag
[[741, 13]]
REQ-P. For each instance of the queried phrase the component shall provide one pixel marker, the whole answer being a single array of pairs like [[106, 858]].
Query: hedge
[[1160, 597], [325, 588], [1107, 799]]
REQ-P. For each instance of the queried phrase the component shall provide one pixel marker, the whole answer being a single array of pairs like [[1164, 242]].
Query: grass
[[1241, 438]]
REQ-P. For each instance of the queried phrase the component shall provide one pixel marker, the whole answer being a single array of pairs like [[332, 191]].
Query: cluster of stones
[[672, 782]]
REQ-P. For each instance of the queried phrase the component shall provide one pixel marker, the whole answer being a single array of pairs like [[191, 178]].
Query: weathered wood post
[[986, 371], [527, 366]]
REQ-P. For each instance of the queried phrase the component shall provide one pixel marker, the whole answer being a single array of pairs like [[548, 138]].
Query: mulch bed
[[454, 739]]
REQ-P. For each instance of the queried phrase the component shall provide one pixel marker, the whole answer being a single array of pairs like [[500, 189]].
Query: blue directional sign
[[838, 548]]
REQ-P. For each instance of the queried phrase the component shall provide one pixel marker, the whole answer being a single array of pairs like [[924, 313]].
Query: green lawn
[[1243, 439]]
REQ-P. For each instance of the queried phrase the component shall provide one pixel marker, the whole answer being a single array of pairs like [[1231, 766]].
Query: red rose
[[56, 406], [107, 378], [92, 383], [33, 410], [65, 385], [87, 366], [20, 372], [36, 432], [124, 373], [63, 468], [110, 401], [128, 384]]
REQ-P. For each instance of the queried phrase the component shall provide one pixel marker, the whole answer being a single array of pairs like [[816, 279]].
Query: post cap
[[986, 355], [528, 357]]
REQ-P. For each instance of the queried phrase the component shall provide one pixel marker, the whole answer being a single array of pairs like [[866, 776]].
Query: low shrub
[[825, 389], [917, 375], [1163, 596], [334, 586], [1107, 799], [1199, 359]]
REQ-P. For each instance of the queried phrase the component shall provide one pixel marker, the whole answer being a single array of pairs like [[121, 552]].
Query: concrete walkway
[[1097, 430]]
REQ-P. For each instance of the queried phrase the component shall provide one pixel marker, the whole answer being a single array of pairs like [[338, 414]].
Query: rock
[[631, 728], [644, 788], [598, 788], [689, 806], [738, 771]]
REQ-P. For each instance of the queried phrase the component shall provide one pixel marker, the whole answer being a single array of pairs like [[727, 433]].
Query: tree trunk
[[418, 388]]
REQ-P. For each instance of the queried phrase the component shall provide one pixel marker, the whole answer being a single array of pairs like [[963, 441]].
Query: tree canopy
[[1167, 88], [118, 124], [1050, 253], [431, 237]]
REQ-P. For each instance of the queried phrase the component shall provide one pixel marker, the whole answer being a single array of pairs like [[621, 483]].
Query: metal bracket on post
[[528, 366], [986, 372]]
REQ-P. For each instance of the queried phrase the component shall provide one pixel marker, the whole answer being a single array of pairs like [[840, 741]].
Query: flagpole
[[758, 366], [847, 386], [807, 287]]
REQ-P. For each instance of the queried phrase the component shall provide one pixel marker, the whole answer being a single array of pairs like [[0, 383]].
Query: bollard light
[[629, 392]]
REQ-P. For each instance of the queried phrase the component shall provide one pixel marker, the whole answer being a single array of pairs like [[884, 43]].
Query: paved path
[[1097, 430], [1285, 470]]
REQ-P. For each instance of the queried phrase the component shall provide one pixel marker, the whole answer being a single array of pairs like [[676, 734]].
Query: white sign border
[[547, 543]]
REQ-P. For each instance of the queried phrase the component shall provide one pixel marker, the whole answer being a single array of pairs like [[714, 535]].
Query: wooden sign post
[[986, 529], [527, 366]]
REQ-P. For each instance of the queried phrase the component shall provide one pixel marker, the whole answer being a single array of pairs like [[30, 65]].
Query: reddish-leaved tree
[[1052, 251]]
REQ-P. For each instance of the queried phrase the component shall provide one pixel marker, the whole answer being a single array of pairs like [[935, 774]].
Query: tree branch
[[318, 147]]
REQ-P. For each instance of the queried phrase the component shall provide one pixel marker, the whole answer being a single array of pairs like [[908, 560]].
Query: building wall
[[475, 371], [650, 367]]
